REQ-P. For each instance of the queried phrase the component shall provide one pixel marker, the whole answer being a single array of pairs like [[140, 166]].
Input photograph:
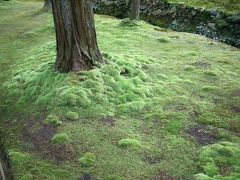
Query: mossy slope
[[155, 85]]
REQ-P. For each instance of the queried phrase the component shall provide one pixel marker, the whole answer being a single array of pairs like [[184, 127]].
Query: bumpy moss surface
[[155, 86]]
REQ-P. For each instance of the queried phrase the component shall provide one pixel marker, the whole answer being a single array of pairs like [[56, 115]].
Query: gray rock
[[214, 12], [218, 16], [157, 12], [212, 25], [194, 13], [143, 7], [173, 9]]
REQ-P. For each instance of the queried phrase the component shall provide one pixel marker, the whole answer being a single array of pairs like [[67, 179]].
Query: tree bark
[[77, 47], [134, 9], [47, 5]]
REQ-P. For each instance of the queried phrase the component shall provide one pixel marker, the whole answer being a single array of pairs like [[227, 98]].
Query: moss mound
[[133, 143], [87, 160], [220, 161], [53, 119], [60, 138]]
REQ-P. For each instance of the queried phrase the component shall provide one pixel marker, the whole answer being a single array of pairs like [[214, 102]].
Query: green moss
[[27, 177], [19, 158], [72, 116], [60, 138], [189, 68], [129, 23], [132, 143], [53, 119], [208, 118], [221, 24], [210, 89], [202, 176], [174, 127], [163, 40], [210, 73], [87, 160], [132, 107], [214, 158]]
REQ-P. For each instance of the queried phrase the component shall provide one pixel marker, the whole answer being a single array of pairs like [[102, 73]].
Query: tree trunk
[[47, 5], [77, 47], [134, 9]]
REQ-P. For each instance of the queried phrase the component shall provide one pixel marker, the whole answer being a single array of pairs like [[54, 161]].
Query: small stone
[[218, 16], [214, 12], [194, 13], [211, 25], [157, 12], [173, 9]]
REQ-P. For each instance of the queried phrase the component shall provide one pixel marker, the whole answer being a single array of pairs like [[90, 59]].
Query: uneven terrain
[[164, 105]]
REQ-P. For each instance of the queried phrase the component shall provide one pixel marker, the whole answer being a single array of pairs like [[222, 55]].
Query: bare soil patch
[[202, 136], [108, 121], [38, 135]]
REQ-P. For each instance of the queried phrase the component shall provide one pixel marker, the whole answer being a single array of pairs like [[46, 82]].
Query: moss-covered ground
[[229, 6], [164, 105]]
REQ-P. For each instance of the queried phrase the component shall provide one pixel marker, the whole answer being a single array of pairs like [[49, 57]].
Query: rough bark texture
[[134, 9], [47, 5], [75, 35]]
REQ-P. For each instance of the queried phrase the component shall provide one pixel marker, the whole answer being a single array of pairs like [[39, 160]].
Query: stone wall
[[210, 23]]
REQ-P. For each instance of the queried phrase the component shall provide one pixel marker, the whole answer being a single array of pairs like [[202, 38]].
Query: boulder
[[212, 26], [173, 9], [213, 12], [157, 12]]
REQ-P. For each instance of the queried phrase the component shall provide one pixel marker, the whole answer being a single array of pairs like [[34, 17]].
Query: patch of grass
[[210, 73], [188, 68], [208, 118], [27, 177], [220, 161], [87, 160], [19, 158], [163, 40], [130, 23], [210, 89], [26, 166], [60, 138], [174, 127], [72, 116], [132, 143], [53, 119]]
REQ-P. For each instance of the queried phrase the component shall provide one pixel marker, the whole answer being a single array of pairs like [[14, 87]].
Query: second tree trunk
[[134, 9]]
